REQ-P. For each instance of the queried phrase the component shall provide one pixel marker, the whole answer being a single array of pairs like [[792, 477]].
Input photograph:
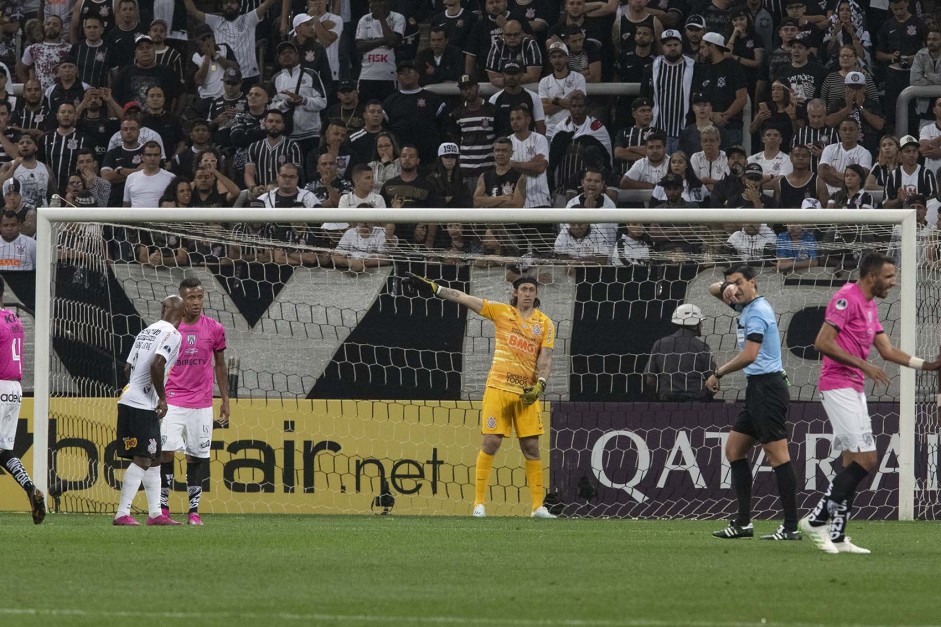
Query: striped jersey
[[670, 102], [267, 158], [172, 59], [101, 8], [239, 35], [27, 119], [477, 137], [93, 63], [519, 341], [810, 135], [60, 152], [537, 187]]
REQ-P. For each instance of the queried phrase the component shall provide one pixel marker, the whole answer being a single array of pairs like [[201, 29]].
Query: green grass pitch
[[399, 570]]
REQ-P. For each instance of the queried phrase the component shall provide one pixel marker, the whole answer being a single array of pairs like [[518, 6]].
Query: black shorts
[[764, 416], [138, 432]]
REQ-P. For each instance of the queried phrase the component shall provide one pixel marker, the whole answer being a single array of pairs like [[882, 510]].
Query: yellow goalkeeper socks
[[534, 479], [484, 466]]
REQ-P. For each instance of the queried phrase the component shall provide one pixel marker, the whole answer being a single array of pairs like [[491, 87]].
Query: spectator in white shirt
[[774, 163], [363, 246], [753, 242], [836, 157], [647, 172], [710, 164], [143, 188]]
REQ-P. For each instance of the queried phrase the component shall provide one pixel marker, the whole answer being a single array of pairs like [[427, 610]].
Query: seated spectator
[[909, 177], [886, 162], [362, 195], [730, 185], [711, 164], [680, 363], [633, 246], [364, 246], [752, 194], [464, 240], [327, 185], [859, 106], [513, 95], [773, 161], [447, 179], [334, 141], [385, 163], [836, 157], [258, 238], [816, 135], [780, 114], [647, 172], [693, 191], [200, 138], [206, 182], [17, 251], [581, 242], [796, 249], [753, 242], [833, 90], [852, 195], [584, 53], [672, 189], [287, 194], [593, 196], [514, 46], [576, 136]]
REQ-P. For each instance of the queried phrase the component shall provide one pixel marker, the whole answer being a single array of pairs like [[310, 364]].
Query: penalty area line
[[398, 620]]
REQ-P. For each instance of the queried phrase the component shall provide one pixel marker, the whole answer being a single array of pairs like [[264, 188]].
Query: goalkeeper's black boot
[[37, 503], [735, 530], [783, 534]]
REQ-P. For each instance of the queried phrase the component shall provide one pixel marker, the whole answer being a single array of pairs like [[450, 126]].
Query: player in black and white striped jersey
[[267, 155], [59, 148]]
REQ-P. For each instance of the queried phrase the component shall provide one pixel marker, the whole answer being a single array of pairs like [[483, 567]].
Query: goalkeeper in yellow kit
[[521, 363]]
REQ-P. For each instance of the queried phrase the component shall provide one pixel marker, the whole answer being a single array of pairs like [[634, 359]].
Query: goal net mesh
[[350, 394]]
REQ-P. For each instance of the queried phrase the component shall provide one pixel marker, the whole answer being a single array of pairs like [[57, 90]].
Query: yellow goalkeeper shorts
[[503, 412]]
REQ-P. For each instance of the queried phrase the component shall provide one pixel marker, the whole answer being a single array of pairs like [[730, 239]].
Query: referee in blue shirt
[[763, 419]]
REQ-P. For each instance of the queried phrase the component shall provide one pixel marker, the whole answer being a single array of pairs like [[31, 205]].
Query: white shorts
[[11, 397], [849, 417], [187, 429]]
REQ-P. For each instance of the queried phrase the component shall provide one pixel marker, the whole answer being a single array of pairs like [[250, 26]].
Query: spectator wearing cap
[[857, 106], [806, 26], [680, 363], [899, 40], [629, 142], [348, 106], [724, 83], [637, 58], [66, 88], [40, 60], [833, 90], [836, 157], [796, 249], [781, 56], [441, 61], [457, 21], [909, 177], [164, 54], [93, 56], [13, 201], [752, 194], [670, 193], [473, 120], [773, 161], [803, 77], [702, 118], [711, 164], [326, 29], [555, 88], [121, 37], [626, 21], [416, 115], [236, 31], [133, 81], [447, 179], [300, 94], [378, 33], [215, 67], [693, 32], [512, 95], [311, 52], [514, 47], [670, 85]]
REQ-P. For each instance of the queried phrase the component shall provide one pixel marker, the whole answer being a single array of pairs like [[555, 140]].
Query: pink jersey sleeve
[[11, 347]]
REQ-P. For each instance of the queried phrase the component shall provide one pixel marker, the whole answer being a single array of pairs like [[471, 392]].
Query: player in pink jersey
[[850, 329], [188, 423], [11, 395]]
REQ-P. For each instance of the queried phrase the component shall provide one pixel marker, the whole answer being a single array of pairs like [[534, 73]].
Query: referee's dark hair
[[872, 263], [190, 282], [743, 268]]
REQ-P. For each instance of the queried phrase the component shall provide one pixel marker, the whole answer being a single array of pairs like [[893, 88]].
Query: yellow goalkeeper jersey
[[518, 342]]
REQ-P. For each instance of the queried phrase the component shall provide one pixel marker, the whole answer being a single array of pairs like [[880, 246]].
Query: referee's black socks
[[741, 481], [787, 491]]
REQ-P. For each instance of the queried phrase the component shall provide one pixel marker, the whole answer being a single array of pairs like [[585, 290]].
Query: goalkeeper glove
[[420, 284], [531, 394]]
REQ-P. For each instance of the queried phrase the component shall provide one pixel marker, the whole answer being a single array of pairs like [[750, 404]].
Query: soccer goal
[[352, 395]]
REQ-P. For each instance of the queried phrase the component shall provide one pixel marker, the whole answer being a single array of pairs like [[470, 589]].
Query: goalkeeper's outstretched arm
[[430, 288]]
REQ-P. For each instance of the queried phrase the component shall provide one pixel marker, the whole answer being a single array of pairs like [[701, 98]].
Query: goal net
[[352, 395]]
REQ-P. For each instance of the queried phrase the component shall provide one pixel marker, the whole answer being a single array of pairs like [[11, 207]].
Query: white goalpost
[[305, 339]]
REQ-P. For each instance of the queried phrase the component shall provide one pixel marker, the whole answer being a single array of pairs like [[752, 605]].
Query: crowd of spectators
[[304, 103]]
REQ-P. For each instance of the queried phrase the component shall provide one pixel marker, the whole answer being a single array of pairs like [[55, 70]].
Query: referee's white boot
[[542, 512]]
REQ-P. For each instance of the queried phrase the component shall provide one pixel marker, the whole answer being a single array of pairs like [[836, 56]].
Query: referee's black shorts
[[138, 432], [764, 416]]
